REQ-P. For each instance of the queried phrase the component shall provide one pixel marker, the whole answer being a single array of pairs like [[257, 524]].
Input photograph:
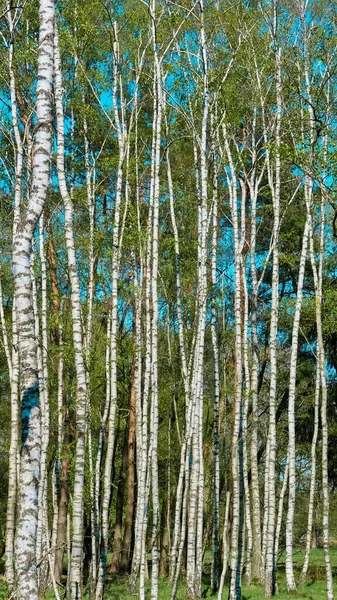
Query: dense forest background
[[168, 294]]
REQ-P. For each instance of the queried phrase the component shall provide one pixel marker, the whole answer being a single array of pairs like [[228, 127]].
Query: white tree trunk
[[158, 100], [236, 545], [312, 475], [13, 451], [254, 183], [291, 585], [318, 275], [81, 392], [247, 394], [180, 485], [225, 545], [270, 566], [280, 508], [60, 436], [42, 528], [196, 499], [119, 122], [102, 430], [265, 508], [13, 360], [25, 543], [90, 185], [216, 444]]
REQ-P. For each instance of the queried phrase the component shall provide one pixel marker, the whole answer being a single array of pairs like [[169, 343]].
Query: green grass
[[316, 557], [117, 591], [314, 588]]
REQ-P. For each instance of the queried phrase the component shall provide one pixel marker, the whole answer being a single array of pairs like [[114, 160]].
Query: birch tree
[[172, 324], [28, 492], [291, 414], [81, 399], [275, 186], [121, 134], [236, 544], [12, 357]]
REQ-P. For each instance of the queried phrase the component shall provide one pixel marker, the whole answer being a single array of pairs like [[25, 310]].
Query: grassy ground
[[314, 589]]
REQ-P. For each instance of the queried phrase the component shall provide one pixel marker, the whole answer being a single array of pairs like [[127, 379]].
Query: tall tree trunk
[[61, 538], [265, 507], [13, 360], [216, 445], [62, 466], [318, 276], [90, 185], [291, 585], [312, 475], [129, 510], [138, 562], [248, 522], [25, 542], [81, 391], [254, 183], [318, 281], [42, 550], [154, 422], [119, 509], [58, 541], [180, 485], [136, 556], [120, 126], [164, 539], [236, 547], [275, 186], [102, 429], [13, 451], [225, 547], [280, 507], [196, 493]]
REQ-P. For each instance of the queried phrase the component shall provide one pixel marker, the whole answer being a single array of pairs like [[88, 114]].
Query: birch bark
[[254, 182], [196, 494], [13, 358], [62, 466], [25, 542], [317, 275], [180, 486], [280, 507], [216, 444], [154, 326], [90, 171], [312, 475], [121, 134], [42, 528], [81, 390], [318, 281], [270, 566], [225, 545], [291, 585], [236, 549]]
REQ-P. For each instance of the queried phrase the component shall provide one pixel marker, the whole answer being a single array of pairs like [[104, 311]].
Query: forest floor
[[314, 588]]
